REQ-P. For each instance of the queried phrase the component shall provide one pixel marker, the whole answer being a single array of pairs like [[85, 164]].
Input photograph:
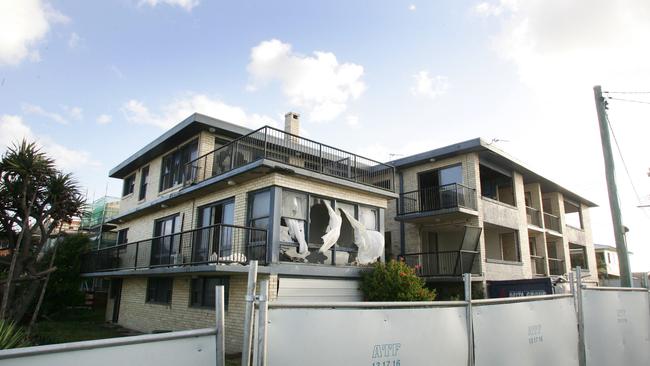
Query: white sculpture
[[333, 230], [370, 243]]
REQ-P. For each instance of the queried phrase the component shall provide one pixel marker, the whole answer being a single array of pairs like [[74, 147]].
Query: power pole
[[614, 205]]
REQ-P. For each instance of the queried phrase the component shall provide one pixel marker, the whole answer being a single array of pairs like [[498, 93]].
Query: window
[[122, 236], [203, 291], [501, 244], [259, 209], [129, 185], [496, 185], [294, 217], [214, 239], [165, 245], [578, 256], [369, 217], [174, 165], [438, 188], [509, 247], [159, 290], [528, 199], [144, 180], [572, 214], [388, 245]]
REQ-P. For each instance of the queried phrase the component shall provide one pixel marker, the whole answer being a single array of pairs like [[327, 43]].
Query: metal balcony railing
[[552, 222], [533, 216], [537, 264], [214, 244], [556, 266], [277, 145], [442, 263], [437, 198]]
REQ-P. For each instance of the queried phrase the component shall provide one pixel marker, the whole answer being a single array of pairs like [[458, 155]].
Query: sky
[[93, 82]]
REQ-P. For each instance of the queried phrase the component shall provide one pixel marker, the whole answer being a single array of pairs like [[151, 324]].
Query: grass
[[75, 325]]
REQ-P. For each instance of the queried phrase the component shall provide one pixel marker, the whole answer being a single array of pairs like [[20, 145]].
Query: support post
[[262, 319], [248, 314], [612, 190], [219, 315], [582, 359], [467, 281]]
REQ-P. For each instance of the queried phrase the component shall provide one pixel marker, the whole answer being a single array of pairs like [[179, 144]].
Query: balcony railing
[[273, 144], [442, 263], [556, 266], [552, 222], [533, 216], [437, 198], [537, 264], [214, 244]]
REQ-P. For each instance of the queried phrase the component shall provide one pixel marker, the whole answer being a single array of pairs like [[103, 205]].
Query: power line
[[628, 100]]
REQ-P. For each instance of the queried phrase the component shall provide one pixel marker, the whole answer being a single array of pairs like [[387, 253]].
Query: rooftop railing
[[277, 145], [214, 244], [437, 198]]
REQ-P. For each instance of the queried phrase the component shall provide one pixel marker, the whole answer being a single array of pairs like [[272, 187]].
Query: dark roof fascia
[[154, 148], [480, 145]]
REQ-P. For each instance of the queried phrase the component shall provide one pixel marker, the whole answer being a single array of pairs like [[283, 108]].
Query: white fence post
[[582, 356], [467, 281], [220, 325], [248, 314], [262, 318]]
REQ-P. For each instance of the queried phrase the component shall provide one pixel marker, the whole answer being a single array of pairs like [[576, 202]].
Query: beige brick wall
[[136, 313]]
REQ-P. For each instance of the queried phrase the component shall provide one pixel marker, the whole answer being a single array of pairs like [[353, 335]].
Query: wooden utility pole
[[614, 205]]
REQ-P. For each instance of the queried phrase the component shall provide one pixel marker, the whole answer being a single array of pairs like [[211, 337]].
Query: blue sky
[[95, 81]]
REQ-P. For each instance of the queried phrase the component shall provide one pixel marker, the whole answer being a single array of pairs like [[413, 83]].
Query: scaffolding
[[94, 221]]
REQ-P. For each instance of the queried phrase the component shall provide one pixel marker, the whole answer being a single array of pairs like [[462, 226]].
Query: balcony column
[[565, 239], [273, 235], [522, 230]]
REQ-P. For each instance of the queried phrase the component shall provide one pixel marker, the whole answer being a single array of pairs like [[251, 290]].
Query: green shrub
[[394, 281], [12, 336]]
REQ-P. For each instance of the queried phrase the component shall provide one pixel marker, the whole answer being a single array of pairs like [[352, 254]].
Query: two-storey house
[[471, 208], [207, 197]]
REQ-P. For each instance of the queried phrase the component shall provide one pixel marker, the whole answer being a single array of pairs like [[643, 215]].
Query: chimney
[[292, 123]]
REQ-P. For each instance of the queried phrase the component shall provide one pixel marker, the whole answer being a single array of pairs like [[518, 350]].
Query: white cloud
[[24, 24], [38, 111], [13, 129], [75, 113], [429, 86], [73, 40], [352, 121], [104, 119], [319, 83], [182, 107], [185, 4], [412, 7]]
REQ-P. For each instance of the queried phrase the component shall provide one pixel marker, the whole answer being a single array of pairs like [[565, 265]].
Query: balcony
[[216, 244], [443, 263], [533, 216], [537, 265], [552, 222], [279, 146], [450, 196], [556, 267]]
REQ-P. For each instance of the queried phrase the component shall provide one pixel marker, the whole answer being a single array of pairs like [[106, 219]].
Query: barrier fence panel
[[539, 330], [349, 334], [193, 347], [616, 326]]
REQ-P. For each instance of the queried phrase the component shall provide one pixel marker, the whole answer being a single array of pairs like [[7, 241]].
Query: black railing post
[[320, 155], [266, 138], [135, 260]]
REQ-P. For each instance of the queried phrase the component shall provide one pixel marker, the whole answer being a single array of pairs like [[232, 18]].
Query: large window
[[437, 188], [214, 239], [203, 291], [501, 244], [578, 256], [496, 185], [572, 214], [128, 185], [159, 290], [165, 245], [259, 209], [123, 236], [144, 181], [174, 168]]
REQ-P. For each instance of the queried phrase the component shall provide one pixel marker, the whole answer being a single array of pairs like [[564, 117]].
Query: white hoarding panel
[[372, 337], [198, 350], [539, 332], [617, 327]]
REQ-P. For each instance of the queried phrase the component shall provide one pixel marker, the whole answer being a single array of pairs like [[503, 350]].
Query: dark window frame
[[159, 290], [144, 182], [198, 296], [250, 220], [172, 165], [122, 236], [178, 222], [128, 185]]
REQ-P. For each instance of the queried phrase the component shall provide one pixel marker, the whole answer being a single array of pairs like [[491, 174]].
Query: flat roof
[[190, 126], [488, 152]]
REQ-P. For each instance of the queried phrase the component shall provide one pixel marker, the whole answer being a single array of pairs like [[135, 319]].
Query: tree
[[394, 281], [35, 198]]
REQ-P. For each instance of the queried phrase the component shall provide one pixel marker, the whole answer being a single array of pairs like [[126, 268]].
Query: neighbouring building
[[471, 208], [206, 197]]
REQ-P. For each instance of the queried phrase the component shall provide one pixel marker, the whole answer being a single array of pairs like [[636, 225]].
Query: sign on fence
[[526, 332], [361, 336], [616, 326]]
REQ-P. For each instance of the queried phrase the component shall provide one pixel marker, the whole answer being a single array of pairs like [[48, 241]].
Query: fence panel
[[526, 332], [195, 347], [617, 327], [361, 336]]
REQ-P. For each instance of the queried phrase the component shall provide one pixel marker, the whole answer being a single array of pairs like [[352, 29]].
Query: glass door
[[164, 246], [212, 238]]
